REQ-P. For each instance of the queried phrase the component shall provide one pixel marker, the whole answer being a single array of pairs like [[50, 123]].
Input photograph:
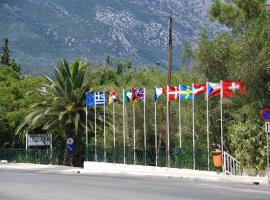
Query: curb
[[138, 170]]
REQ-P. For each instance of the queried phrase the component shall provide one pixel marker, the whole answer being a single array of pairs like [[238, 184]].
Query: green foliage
[[14, 102], [237, 11], [247, 140], [5, 60]]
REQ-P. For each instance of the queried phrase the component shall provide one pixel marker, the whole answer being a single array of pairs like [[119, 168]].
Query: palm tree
[[64, 107]]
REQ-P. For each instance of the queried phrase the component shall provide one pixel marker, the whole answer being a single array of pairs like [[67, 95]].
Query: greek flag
[[96, 98], [101, 98]]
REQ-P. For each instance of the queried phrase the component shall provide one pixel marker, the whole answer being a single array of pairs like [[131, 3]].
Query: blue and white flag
[[101, 98], [97, 98]]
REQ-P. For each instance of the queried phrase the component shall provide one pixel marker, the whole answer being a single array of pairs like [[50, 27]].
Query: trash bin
[[217, 158]]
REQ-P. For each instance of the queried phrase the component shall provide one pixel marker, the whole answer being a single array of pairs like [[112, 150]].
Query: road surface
[[42, 185]]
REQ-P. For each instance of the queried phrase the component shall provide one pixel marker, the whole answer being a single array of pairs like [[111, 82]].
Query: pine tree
[[5, 60], [234, 12], [108, 61]]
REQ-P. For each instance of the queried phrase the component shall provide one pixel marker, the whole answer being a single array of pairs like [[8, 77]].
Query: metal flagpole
[[179, 113], [104, 127], [86, 132], [144, 125], [113, 134], [207, 126], [221, 123], [26, 146], [156, 130], [134, 135], [124, 134], [193, 128], [168, 129], [267, 149], [95, 127]]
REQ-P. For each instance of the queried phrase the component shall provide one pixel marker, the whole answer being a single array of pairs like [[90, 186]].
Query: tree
[[14, 102], [64, 107], [237, 11], [5, 60]]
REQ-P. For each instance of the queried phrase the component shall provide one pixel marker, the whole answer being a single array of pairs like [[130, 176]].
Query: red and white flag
[[230, 88], [199, 89], [173, 93]]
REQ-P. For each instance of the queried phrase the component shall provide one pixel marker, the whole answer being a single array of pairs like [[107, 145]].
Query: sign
[[69, 146], [265, 114], [39, 140], [70, 141]]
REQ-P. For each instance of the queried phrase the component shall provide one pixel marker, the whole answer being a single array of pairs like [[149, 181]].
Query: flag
[[230, 88], [113, 98], [128, 97], [185, 92], [90, 99], [101, 98], [213, 89], [133, 99], [158, 92], [97, 98], [173, 93], [139, 93], [199, 89]]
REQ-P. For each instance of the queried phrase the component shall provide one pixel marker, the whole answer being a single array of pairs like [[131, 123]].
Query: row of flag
[[182, 92], [102, 98]]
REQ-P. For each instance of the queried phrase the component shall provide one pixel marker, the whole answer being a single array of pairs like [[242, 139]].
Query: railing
[[31, 156], [231, 166], [179, 158]]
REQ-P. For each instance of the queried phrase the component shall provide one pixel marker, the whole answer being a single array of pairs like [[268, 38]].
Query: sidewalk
[[136, 170]]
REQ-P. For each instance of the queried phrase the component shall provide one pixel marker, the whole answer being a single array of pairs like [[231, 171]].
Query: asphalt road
[[40, 185]]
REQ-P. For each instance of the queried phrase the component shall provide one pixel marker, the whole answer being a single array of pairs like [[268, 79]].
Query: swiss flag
[[230, 88], [199, 89], [173, 93]]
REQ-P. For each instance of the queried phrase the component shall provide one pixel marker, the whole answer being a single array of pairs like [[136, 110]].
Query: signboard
[[38, 140], [69, 145], [265, 114]]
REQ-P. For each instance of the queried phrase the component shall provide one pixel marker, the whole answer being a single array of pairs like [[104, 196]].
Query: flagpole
[[86, 132], [207, 126], [179, 114], [124, 134], [113, 133], [95, 127], [144, 125], [104, 128], [156, 128], [221, 121], [134, 136], [193, 128], [168, 129]]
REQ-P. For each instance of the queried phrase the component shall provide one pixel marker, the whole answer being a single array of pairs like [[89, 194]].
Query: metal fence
[[31, 156], [179, 158]]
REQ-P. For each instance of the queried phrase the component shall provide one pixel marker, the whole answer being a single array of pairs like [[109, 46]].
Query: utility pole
[[169, 84]]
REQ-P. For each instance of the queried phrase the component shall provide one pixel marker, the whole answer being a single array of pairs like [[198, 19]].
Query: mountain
[[42, 31]]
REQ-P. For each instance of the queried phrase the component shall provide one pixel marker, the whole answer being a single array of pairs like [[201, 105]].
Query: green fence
[[179, 158], [31, 156]]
